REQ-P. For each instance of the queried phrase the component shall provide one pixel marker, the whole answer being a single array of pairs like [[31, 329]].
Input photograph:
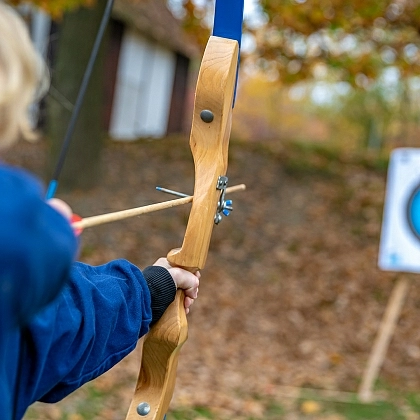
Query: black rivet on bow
[[207, 116]]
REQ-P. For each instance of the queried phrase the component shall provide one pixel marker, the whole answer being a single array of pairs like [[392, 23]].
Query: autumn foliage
[[352, 41], [56, 8], [356, 40]]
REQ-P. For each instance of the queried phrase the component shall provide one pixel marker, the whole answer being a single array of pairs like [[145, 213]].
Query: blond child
[[62, 323]]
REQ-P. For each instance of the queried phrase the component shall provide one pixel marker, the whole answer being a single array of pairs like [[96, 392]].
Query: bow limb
[[209, 142]]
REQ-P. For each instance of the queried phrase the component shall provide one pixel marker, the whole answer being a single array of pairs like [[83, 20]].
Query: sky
[[250, 7], [251, 12], [251, 15]]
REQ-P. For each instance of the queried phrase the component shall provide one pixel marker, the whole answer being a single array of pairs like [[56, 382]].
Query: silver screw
[[143, 409]]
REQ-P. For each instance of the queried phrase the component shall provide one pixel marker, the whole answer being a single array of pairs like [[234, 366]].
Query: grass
[[310, 405], [86, 408], [201, 413], [397, 406]]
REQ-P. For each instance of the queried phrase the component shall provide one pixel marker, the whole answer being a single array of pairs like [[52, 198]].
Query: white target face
[[400, 237]]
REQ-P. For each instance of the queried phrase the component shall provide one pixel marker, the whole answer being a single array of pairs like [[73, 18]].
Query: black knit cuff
[[162, 289]]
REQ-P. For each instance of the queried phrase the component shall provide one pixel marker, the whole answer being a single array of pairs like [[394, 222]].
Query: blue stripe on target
[[413, 212]]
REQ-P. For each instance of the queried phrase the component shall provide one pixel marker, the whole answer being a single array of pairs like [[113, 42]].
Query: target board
[[399, 248]]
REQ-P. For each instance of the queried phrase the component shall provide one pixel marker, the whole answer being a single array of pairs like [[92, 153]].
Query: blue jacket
[[62, 323]]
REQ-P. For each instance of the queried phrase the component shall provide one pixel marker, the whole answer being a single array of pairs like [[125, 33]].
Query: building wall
[[179, 105], [39, 28], [143, 91], [146, 83]]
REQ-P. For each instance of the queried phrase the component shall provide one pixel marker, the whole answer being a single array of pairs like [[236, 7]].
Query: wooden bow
[[209, 141]]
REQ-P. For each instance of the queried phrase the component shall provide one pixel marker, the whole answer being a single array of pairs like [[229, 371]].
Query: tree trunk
[[77, 33]]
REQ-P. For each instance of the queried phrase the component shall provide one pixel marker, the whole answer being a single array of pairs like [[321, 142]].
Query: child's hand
[[62, 207], [184, 280], [65, 210]]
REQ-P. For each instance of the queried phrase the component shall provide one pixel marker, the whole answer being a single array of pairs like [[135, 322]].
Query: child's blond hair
[[20, 73]]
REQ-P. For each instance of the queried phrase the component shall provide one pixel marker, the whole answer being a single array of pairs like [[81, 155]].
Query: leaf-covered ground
[[291, 295]]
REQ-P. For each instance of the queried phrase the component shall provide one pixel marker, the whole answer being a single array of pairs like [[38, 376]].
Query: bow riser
[[209, 142], [209, 145]]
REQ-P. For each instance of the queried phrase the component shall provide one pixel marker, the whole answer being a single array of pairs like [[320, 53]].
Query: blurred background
[[291, 298]]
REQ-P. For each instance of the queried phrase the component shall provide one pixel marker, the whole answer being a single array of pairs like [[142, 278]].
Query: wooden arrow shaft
[[137, 211]]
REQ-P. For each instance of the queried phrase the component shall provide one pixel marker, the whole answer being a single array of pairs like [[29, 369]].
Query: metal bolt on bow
[[224, 207]]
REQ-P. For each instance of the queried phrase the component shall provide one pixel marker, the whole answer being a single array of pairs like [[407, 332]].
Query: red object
[[76, 218]]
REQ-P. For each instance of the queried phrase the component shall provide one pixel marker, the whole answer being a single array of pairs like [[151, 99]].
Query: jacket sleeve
[[37, 248], [76, 320], [91, 326]]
